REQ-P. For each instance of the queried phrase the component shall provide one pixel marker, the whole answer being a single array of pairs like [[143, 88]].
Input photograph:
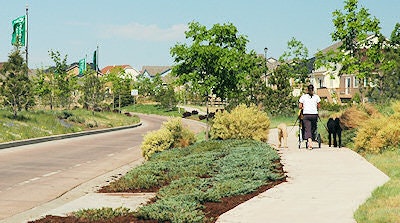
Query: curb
[[63, 136]]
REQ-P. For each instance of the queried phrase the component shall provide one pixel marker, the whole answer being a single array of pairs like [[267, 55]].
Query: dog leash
[[323, 125]]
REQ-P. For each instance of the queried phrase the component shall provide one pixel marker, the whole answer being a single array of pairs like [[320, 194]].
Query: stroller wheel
[[319, 140], [300, 139]]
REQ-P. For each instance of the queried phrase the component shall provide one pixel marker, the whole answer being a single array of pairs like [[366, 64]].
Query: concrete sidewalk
[[323, 185]]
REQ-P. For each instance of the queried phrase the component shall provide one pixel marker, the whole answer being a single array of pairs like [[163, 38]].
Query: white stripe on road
[[51, 173]]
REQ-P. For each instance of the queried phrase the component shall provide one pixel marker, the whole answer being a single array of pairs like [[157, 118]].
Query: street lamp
[[266, 65]]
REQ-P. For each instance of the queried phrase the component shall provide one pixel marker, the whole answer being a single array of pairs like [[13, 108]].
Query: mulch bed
[[212, 210]]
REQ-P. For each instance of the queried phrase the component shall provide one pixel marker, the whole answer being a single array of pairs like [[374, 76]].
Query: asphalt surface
[[324, 185], [39, 177]]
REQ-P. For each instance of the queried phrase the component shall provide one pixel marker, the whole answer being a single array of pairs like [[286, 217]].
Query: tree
[[64, 84], [166, 97], [211, 63], [395, 36], [296, 62], [358, 53], [92, 90], [45, 88], [16, 87], [120, 87], [251, 81], [389, 79], [293, 65]]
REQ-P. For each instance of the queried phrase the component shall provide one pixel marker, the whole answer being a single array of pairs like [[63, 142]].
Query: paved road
[[36, 174]]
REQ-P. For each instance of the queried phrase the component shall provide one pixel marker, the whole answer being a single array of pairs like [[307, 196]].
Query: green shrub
[[172, 134], [182, 136], [241, 123], [101, 214], [206, 172], [156, 141]]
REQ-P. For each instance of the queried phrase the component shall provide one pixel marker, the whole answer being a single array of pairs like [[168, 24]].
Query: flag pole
[[26, 36]]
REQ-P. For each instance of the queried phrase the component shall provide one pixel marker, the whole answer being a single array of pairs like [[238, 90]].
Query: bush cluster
[[241, 123], [171, 134], [203, 172], [353, 116], [379, 133]]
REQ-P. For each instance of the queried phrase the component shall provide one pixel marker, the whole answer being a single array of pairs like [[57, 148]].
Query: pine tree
[[16, 87]]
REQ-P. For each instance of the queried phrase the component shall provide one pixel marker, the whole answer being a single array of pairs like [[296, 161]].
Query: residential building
[[330, 85], [152, 71], [128, 71]]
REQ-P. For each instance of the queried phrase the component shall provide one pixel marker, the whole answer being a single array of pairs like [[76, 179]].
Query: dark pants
[[310, 125]]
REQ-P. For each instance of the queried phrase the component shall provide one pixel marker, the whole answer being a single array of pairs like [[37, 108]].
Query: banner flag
[[18, 35], [95, 60], [82, 66]]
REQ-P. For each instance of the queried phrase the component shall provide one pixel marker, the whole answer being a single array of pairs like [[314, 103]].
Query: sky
[[141, 32]]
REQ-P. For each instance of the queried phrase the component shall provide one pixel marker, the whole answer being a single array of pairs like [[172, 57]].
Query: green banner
[[18, 35], [82, 66], [95, 60]]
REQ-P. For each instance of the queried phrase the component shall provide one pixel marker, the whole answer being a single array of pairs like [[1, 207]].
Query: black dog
[[334, 129]]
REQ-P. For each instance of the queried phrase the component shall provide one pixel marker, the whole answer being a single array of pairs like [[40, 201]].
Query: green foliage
[[120, 85], [101, 214], [152, 109], [16, 88], [241, 123], [353, 25], [92, 89], [384, 203], [45, 88], [295, 65], [171, 134], [330, 106], [215, 61], [178, 209], [39, 123], [64, 84], [166, 97], [203, 172], [156, 141]]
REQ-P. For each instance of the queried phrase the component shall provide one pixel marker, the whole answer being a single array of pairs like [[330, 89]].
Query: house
[[330, 85], [128, 71], [339, 88], [73, 69], [152, 71]]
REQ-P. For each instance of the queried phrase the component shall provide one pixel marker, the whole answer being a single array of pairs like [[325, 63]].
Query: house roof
[[332, 47], [107, 69], [154, 70]]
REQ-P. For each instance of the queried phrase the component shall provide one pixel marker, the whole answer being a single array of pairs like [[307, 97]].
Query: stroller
[[316, 137]]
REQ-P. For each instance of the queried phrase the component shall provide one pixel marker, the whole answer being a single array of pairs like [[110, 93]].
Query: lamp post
[[266, 65]]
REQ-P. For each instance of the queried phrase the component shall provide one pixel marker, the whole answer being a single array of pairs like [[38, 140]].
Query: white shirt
[[310, 103]]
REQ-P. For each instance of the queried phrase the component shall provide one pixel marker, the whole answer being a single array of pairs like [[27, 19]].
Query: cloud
[[138, 31]]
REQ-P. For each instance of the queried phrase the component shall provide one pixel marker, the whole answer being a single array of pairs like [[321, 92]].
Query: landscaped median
[[190, 182], [40, 126]]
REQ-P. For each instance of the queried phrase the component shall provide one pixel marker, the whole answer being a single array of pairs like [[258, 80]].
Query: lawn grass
[[384, 204], [40, 123], [153, 109]]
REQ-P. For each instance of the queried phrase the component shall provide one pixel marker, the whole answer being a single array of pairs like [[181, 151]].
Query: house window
[[321, 85], [356, 82], [347, 84]]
